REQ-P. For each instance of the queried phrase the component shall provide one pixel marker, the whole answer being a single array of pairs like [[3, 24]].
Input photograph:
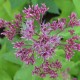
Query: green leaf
[[59, 52], [8, 10], [1, 2], [35, 77], [5, 10], [75, 70], [66, 7], [9, 67], [67, 64], [53, 8], [11, 57], [67, 34], [37, 27], [7, 58], [4, 75], [4, 42], [34, 2], [3, 13], [76, 56], [47, 78], [25, 73], [17, 5], [77, 6]]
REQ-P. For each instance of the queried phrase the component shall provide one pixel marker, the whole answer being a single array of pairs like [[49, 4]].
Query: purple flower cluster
[[60, 24], [11, 27], [2, 22], [48, 68], [71, 46], [35, 11], [29, 31], [45, 44], [26, 55], [73, 20], [75, 79]]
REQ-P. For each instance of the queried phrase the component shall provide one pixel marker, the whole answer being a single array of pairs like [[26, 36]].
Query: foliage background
[[12, 68]]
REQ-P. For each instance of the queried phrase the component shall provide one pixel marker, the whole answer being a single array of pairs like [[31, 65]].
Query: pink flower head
[[29, 60], [73, 20], [45, 28], [43, 9], [2, 23], [26, 55], [55, 40], [42, 75], [77, 47], [74, 79], [45, 69], [18, 21], [35, 11], [18, 17], [53, 74], [18, 44], [73, 15], [29, 31], [28, 12], [56, 64], [36, 71], [71, 32], [68, 55], [10, 34], [54, 25], [58, 24], [61, 24]]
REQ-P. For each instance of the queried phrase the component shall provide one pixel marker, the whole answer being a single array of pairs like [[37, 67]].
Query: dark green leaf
[[18, 4], [34, 2], [53, 8], [66, 7]]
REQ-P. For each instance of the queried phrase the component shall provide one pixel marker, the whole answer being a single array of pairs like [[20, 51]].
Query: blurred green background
[[11, 68]]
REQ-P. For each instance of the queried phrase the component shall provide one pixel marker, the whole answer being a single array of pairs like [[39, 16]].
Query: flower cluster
[[45, 44], [72, 45], [29, 31], [2, 23], [48, 68], [35, 11], [11, 27], [73, 20]]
